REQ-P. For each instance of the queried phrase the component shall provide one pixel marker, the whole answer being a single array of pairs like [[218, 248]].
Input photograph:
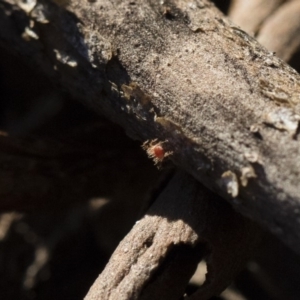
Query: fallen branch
[[225, 109], [157, 258]]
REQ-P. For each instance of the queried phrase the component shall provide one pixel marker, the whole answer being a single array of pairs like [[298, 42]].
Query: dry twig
[[157, 258]]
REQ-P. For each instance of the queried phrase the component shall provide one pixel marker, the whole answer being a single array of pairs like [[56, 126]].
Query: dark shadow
[[223, 5], [295, 61]]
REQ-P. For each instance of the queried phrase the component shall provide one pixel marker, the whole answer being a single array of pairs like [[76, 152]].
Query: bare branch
[[185, 224], [251, 14], [281, 32]]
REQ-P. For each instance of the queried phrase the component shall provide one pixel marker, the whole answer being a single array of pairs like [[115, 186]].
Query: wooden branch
[[224, 108], [281, 32], [250, 15], [160, 254], [276, 23]]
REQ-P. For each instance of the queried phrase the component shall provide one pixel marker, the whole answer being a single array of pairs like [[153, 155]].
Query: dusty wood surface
[[160, 254], [225, 108]]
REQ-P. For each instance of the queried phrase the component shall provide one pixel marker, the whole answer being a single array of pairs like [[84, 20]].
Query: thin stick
[[157, 258]]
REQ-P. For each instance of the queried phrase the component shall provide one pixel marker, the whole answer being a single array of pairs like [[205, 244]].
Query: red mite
[[158, 152]]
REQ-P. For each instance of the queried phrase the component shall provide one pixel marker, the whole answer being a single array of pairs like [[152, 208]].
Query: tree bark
[[178, 72]]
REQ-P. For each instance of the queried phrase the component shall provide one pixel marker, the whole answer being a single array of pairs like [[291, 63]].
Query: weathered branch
[[225, 109], [251, 14], [158, 257], [276, 23], [281, 32]]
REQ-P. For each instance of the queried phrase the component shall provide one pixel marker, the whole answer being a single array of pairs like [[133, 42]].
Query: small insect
[[156, 150]]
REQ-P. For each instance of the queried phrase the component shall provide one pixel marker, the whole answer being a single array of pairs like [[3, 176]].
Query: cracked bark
[[222, 104]]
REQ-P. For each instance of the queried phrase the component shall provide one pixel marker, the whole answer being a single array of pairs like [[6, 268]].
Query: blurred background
[[80, 184]]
